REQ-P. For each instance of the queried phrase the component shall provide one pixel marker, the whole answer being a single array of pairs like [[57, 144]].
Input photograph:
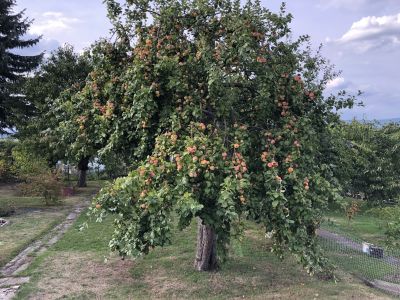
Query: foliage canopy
[[367, 161], [228, 119], [63, 70]]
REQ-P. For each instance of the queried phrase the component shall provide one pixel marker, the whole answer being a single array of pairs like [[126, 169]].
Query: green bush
[[7, 209], [393, 234], [390, 216], [37, 178], [46, 185], [387, 213], [6, 160]]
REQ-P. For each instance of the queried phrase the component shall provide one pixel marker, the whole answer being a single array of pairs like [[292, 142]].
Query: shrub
[[6, 160], [387, 213], [46, 185], [7, 210], [393, 234], [37, 178]]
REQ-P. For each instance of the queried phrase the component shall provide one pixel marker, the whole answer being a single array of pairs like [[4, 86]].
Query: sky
[[360, 37]]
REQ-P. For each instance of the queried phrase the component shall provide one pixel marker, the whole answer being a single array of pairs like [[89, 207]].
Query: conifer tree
[[13, 66]]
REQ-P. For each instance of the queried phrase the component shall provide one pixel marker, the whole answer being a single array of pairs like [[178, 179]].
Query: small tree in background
[[91, 121], [63, 70], [368, 161], [114, 166], [232, 115]]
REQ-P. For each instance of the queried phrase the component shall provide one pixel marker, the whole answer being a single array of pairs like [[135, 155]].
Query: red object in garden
[[67, 191]]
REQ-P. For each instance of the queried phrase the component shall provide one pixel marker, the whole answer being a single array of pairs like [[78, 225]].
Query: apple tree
[[85, 112], [229, 121], [63, 69]]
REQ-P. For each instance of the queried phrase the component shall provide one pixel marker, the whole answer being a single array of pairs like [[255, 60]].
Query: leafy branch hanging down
[[229, 122]]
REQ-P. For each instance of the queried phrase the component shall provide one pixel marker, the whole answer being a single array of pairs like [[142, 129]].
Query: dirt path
[[339, 239], [346, 242], [9, 279]]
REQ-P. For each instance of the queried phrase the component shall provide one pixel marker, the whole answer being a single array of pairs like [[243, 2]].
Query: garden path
[[10, 280]]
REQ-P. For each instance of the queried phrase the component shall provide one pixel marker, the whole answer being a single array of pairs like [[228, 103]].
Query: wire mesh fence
[[376, 264]]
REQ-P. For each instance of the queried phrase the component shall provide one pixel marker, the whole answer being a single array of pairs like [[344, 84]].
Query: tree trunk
[[206, 253], [83, 166], [82, 178]]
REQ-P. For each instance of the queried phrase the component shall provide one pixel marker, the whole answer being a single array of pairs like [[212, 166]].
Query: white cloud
[[336, 83], [372, 32], [52, 22]]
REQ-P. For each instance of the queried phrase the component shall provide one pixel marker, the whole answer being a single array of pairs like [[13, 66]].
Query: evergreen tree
[[13, 67]]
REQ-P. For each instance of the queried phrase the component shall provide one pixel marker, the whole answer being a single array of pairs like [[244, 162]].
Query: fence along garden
[[376, 265]]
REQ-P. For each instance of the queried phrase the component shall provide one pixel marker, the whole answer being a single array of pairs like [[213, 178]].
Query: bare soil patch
[[162, 285]]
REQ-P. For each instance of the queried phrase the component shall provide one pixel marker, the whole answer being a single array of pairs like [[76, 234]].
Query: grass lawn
[[362, 227], [32, 218], [79, 266]]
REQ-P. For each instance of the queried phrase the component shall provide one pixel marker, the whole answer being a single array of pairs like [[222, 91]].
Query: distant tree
[[87, 115], [114, 165], [368, 161], [63, 69], [13, 67]]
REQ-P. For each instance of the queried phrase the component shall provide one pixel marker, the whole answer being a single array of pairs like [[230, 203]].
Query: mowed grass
[[32, 218], [24, 230], [362, 226], [80, 266]]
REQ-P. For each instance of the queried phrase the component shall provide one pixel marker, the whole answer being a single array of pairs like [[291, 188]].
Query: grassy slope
[[32, 219], [24, 230], [75, 268], [362, 226]]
